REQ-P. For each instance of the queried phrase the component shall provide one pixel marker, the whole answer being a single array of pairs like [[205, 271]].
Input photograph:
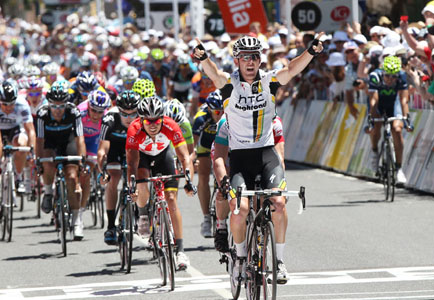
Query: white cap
[[225, 38], [152, 32], [283, 31], [429, 7], [292, 53], [192, 43], [375, 30], [178, 52], [325, 37], [264, 58], [274, 40], [336, 59], [340, 36], [145, 49], [392, 39], [377, 49], [360, 38], [277, 65], [265, 45], [413, 30]]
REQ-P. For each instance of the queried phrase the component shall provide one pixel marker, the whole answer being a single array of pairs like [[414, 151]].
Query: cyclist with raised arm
[[248, 99], [204, 131], [59, 133], [148, 150], [111, 150], [16, 126], [388, 89], [92, 110]]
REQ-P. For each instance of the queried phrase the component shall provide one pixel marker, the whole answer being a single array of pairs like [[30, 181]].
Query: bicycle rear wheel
[[391, 172], [268, 266], [168, 245], [253, 288], [62, 215], [128, 235]]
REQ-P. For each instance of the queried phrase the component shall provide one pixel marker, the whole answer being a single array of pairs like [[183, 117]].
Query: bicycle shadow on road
[[200, 249], [40, 256], [157, 289]]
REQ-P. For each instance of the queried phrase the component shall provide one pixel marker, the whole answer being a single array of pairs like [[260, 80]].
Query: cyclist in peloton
[[85, 83], [204, 131], [160, 72], [175, 110], [92, 110], [180, 83], [111, 150], [128, 77], [148, 141], [249, 107], [389, 95], [60, 132], [14, 112]]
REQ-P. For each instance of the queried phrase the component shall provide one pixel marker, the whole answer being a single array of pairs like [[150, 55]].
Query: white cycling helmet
[[246, 44], [175, 109], [129, 73], [150, 107]]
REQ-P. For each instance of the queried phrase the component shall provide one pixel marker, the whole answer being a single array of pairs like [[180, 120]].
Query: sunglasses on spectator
[[152, 121], [8, 103], [125, 115], [95, 111], [57, 106], [248, 57], [34, 94]]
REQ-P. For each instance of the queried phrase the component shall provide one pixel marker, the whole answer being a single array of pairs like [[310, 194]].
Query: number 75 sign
[[324, 15]]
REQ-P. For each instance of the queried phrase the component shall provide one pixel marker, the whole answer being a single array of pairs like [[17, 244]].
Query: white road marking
[[220, 285]]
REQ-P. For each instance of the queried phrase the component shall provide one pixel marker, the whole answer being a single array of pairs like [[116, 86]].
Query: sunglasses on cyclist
[[152, 121], [84, 93], [391, 76], [218, 112], [248, 57], [34, 94], [8, 103], [125, 115], [95, 111], [57, 106], [129, 81]]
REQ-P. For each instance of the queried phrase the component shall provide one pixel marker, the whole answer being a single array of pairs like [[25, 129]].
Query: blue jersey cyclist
[[389, 96]]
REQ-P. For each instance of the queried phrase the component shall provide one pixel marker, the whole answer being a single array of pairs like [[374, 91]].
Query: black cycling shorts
[[63, 147], [8, 135], [246, 164], [164, 164], [115, 154]]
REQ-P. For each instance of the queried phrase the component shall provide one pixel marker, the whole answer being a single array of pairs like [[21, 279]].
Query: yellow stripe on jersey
[[260, 87], [274, 79], [225, 103], [182, 143], [282, 184], [200, 113], [260, 125]]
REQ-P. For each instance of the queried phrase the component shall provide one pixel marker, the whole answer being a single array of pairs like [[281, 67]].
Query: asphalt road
[[348, 244]]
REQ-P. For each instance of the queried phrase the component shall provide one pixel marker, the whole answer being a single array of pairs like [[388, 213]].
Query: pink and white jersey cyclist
[[92, 111]]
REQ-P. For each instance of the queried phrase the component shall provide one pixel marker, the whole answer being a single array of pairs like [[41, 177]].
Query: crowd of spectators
[[340, 73]]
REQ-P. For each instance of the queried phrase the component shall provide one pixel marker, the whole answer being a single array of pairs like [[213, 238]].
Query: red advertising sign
[[239, 14]]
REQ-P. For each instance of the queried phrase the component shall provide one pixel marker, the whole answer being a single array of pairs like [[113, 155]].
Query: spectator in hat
[[283, 34], [336, 63], [376, 34], [385, 22], [352, 57], [339, 39]]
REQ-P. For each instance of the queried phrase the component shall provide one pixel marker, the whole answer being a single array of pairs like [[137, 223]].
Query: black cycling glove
[[311, 51], [204, 55]]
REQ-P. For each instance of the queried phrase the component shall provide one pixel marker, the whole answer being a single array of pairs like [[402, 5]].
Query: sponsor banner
[[307, 131], [333, 134], [239, 14], [346, 139], [360, 161], [416, 146], [426, 178]]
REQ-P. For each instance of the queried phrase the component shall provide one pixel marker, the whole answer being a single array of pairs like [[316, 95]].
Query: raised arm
[[218, 77]]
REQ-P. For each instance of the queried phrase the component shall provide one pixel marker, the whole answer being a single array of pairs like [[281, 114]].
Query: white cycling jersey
[[250, 110], [19, 116]]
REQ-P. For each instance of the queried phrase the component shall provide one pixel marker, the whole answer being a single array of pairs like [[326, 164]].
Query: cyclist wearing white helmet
[[249, 107], [34, 92], [51, 73], [16, 125], [92, 111], [128, 76], [148, 140]]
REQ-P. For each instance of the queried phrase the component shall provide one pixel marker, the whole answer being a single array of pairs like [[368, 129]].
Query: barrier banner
[[360, 161], [322, 133], [238, 14], [296, 123], [416, 146], [426, 178], [307, 131], [328, 150], [346, 140]]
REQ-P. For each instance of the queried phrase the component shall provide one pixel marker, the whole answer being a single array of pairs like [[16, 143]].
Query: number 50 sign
[[324, 15]]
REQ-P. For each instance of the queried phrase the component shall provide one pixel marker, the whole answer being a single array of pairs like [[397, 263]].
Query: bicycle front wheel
[[10, 206], [391, 172], [61, 215], [268, 265], [168, 245], [4, 208], [100, 206], [253, 288], [38, 192]]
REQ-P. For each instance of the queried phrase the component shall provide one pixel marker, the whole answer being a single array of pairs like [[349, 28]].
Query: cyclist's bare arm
[[81, 145], [133, 158], [403, 98], [220, 156], [280, 149], [373, 101], [184, 158], [103, 149], [297, 65], [30, 130], [218, 77]]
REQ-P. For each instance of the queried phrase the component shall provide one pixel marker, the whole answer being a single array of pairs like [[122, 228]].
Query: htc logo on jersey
[[251, 102]]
